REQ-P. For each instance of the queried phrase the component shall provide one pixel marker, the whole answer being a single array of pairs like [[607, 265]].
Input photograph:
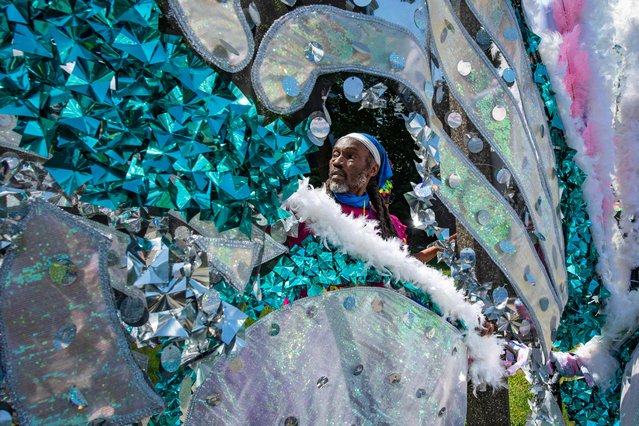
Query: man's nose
[[337, 161]]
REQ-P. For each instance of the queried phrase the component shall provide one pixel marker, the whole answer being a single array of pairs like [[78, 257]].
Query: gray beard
[[339, 188], [342, 188]]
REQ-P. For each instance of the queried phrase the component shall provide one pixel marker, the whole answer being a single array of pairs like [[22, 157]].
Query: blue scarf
[[357, 201]]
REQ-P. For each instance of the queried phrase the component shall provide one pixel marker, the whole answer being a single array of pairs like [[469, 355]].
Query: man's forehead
[[350, 143]]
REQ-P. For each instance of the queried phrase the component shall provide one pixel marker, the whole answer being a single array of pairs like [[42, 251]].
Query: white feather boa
[[358, 238]]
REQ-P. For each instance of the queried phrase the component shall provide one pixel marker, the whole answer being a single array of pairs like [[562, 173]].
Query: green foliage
[[518, 398]]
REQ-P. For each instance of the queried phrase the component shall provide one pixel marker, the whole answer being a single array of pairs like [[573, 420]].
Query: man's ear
[[373, 170]]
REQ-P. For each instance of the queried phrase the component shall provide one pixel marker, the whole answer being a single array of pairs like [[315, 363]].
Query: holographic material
[[8, 137], [217, 30], [498, 19], [503, 228], [351, 42], [234, 259], [629, 409], [408, 14], [88, 362], [386, 359], [483, 90]]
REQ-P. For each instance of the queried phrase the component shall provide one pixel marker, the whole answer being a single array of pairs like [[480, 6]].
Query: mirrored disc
[[503, 176], [8, 122], [278, 232], [454, 119], [429, 90], [467, 256], [361, 48], [475, 144], [454, 180], [483, 39], [397, 61], [528, 276], [508, 75], [320, 128], [439, 93], [443, 35], [254, 14], [291, 86], [133, 311], [227, 46], [507, 247], [311, 137], [510, 34], [500, 297], [353, 88], [499, 113], [420, 19], [464, 68], [5, 418], [170, 358], [544, 303], [483, 217], [62, 270]]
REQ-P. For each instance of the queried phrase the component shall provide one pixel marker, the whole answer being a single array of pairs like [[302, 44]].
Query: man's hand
[[429, 253]]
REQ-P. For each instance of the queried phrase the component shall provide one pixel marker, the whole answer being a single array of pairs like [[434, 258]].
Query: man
[[358, 167]]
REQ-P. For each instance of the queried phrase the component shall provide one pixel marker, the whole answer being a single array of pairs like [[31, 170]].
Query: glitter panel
[[350, 41], [217, 30], [322, 367], [501, 234], [497, 16], [63, 343], [508, 136]]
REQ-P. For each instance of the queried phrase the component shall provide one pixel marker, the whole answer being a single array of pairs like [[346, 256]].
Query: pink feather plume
[[567, 14], [577, 76]]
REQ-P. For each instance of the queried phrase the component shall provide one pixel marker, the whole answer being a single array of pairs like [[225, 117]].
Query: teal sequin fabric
[[131, 117]]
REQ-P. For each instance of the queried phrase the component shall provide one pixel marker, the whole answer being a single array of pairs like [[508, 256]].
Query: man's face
[[351, 167]]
